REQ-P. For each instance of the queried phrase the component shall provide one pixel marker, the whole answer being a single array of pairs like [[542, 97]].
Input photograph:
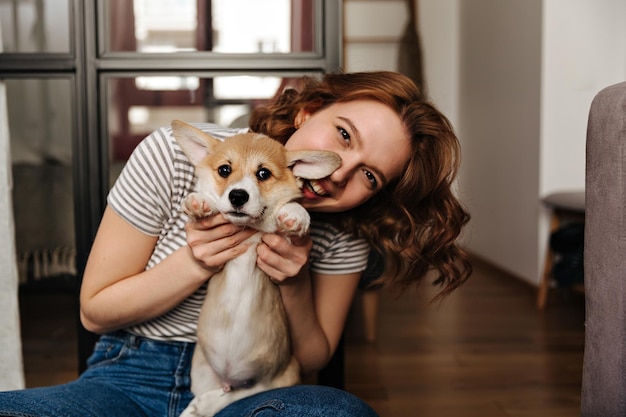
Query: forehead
[[249, 147], [249, 152]]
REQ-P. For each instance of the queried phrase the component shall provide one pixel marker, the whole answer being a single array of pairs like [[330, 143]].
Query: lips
[[315, 187]]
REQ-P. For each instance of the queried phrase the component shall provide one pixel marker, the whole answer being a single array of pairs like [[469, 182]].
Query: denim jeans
[[130, 376]]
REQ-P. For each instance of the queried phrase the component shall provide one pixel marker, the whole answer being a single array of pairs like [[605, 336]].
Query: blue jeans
[[130, 376]]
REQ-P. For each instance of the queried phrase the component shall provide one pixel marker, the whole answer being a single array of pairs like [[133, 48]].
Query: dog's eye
[[263, 174], [224, 171]]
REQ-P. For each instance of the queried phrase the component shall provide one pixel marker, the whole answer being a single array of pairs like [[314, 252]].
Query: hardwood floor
[[485, 351]]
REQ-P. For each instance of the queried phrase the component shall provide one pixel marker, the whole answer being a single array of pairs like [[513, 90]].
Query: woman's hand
[[118, 291], [214, 241], [283, 258]]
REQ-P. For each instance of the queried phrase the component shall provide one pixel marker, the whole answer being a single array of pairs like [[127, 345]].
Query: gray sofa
[[604, 369]]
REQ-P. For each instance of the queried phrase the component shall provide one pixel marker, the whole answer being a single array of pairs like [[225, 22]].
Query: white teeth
[[317, 188]]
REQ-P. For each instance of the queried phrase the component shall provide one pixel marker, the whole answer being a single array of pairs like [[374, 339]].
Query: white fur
[[243, 337]]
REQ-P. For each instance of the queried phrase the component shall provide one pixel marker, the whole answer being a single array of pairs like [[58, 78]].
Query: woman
[[146, 275]]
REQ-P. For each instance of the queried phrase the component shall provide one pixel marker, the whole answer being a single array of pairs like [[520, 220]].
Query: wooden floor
[[485, 351]]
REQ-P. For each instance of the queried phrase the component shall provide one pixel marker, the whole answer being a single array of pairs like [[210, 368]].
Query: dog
[[243, 339]]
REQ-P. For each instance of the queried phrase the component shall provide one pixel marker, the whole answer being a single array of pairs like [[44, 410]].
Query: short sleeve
[[142, 194], [335, 252]]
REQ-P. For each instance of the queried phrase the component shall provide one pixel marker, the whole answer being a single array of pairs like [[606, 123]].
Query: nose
[[338, 178], [342, 174], [238, 197]]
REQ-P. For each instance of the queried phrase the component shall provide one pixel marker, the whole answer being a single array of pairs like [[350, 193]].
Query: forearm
[[310, 345], [143, 296]]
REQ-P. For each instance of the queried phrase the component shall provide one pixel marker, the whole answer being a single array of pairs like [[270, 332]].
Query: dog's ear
[[313, 164], [195, 143]]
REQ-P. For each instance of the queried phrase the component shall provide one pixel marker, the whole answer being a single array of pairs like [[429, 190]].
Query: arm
[[316, 310], [316, 305], [117, 290]]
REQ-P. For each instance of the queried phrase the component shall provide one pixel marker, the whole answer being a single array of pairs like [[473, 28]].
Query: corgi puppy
[[243, 338]]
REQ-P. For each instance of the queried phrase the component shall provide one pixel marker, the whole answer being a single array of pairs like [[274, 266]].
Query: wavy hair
[[415, 221]]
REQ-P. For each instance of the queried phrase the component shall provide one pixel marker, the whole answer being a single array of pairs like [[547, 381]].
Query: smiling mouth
[[315, 188]]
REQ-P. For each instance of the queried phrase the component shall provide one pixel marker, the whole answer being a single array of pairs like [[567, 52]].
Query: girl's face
[[371, 141]]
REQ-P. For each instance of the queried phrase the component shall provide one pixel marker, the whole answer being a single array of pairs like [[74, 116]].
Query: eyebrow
[[357, 138]]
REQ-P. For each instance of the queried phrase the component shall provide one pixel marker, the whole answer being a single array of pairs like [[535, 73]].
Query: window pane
[[139, 105], [35, 26], [40, 129], [224, 26]]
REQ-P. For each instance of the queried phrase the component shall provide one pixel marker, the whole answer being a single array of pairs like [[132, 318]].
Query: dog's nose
[[238, 197]]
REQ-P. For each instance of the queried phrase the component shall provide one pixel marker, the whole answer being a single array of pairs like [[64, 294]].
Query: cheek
[[354, 196]]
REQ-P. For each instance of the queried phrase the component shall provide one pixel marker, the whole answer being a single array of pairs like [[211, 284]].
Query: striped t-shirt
[[149, 193]]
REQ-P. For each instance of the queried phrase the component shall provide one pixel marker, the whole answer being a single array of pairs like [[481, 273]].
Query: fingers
[[209, 229], [281, 258], [213, 241]]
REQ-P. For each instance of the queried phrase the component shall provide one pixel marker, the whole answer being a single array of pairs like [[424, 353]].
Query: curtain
[[11, 368]]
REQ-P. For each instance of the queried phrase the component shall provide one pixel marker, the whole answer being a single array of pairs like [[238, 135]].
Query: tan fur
[[243, 337]]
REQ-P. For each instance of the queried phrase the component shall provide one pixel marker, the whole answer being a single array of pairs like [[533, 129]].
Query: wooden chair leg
[[544, 285], [371, 300]]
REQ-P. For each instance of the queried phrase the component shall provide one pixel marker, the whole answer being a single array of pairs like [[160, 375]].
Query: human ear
[[302, 116]]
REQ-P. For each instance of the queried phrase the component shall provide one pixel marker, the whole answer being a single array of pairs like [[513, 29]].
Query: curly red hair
[[415, 221]]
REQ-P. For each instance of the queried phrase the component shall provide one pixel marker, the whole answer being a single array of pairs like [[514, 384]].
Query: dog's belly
[[243, 329]]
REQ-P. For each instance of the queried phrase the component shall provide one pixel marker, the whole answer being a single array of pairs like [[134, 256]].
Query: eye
[[224, 171], [264, 174], [344, 133], [372, 179]]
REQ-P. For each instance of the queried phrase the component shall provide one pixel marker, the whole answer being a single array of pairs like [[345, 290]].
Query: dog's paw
[[191, 410], [293, 219], [205, 405], [198, 205]]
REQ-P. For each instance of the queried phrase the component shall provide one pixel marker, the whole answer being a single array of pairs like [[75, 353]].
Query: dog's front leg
[[208, 404], [199, 205], [204, 405], [293, 219]]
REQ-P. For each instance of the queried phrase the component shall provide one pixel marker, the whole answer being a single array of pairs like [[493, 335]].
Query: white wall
[[584, 50], [438, 25], [499, 109], [527, 72]]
